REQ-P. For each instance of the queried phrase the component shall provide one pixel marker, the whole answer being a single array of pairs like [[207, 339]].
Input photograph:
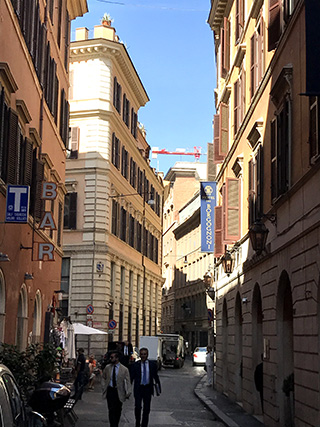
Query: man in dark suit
[[144, 374], [126, 351]]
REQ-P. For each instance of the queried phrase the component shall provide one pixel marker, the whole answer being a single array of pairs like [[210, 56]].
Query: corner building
[[34, 39], [112, 220], [266, 145]]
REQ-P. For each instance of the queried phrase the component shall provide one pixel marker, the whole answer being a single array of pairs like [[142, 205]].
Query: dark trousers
[[79, 385], [143, 395], [114, 406]]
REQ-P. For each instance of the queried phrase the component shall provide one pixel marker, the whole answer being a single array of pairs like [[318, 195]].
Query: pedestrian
[[117, 387], [209, 366], [80, 377], [92, 371], [145, 376], [127, 351]]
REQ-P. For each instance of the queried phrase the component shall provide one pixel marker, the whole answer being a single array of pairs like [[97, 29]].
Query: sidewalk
[[231, 414]]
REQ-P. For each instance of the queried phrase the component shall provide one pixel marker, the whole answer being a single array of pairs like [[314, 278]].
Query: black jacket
[[135, 373]]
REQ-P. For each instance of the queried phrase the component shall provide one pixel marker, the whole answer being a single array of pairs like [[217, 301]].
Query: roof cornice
[[85, 49]]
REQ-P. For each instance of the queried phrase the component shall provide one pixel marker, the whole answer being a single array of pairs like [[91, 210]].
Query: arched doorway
[[238, 368], [22, 319], [285, 351], [36, 328], [2, 305], [225, 335], [257, 350]]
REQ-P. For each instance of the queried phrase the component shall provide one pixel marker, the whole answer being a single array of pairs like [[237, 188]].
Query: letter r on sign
[[46, 250]]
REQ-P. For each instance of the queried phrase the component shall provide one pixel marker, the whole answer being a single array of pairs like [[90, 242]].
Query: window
[[221, 133], [239, 19], [124, 162], [115, 153], [65, 275], [225, 48], [122, 282], [133, 173], [255, 197], [126, 110], [134, 121], [314, 140], [74, 137], [123, 224], [59, 231], [280, 126], [70, 211], [239, 100], [257, 57], [131, 230], [115, 218], [117, 95], [112, 278], [274, 28], [231, 204]]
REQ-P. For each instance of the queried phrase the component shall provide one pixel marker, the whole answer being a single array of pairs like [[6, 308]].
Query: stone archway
[[285, 384], [257, 350], [22, 319], [37, 310], [2, 305], [225, 337], [238, 368]]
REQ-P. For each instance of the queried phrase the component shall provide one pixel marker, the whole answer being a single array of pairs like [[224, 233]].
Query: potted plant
[[106, 20]]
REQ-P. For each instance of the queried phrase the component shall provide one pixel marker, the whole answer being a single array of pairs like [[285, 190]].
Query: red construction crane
[[196, 153]]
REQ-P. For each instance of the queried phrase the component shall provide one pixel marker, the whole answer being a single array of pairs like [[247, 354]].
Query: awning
[[80, 329]]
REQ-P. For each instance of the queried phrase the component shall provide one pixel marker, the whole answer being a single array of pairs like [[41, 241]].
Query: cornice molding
[[97, 48]]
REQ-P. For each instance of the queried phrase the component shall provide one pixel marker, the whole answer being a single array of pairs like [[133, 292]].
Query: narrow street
[[177, 405]]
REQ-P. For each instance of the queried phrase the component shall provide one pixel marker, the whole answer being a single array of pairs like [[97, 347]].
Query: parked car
[[199, 356], [13, 412]]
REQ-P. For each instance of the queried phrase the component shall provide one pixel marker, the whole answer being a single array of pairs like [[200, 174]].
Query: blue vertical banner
[[208, 202]]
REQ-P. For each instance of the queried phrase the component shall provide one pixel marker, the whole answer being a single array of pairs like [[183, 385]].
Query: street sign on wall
[[112, 324], [90, 309], [17, 206]]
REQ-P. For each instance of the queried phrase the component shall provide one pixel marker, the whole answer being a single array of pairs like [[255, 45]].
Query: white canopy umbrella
[[80, 329]]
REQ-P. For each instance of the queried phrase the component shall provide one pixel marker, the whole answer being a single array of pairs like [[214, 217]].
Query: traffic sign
[[17, 207], [90, 309], [210, 315], [90, 323], [112, 324]]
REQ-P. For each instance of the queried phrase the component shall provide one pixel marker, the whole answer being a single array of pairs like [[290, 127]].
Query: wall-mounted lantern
[[227, 263], [258, 234]]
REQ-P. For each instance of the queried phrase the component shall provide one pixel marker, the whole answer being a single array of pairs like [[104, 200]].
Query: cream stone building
[[112, 221], [266, 144]]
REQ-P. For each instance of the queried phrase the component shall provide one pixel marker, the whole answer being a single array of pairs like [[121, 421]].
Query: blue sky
[[171, 46]]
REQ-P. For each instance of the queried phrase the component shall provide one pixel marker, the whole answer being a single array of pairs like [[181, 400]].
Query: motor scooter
[[49, 399]]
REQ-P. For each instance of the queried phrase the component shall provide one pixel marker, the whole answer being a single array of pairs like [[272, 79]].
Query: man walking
[[117, 387], [79, 382], [144, 374]]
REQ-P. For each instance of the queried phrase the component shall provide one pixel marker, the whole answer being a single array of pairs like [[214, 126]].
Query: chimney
[[82, 34], [105, 32]]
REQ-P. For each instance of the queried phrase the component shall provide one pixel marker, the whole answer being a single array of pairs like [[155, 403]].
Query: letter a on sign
[[46, 250], [47, 222]]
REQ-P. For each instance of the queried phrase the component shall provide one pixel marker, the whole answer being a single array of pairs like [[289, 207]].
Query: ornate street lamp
[[227, 263], [207, 278], [258, 234]]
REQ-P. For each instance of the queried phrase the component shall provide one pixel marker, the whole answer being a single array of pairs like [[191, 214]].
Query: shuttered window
[[225, 48], [74, 142], [36, 205], [115, 151], [133, 173], [280, 151], [117, 95], [255, 196], [236, 106], [256, 57], [123, 224], [221, 134], [131, 230], [59, 231], [126, 110], [239, 18], [314, 130], [218, 231], [134, 122], [13, 148], [232, 210], [124, 162], [274, 24], [115, 218], [70, 211]]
